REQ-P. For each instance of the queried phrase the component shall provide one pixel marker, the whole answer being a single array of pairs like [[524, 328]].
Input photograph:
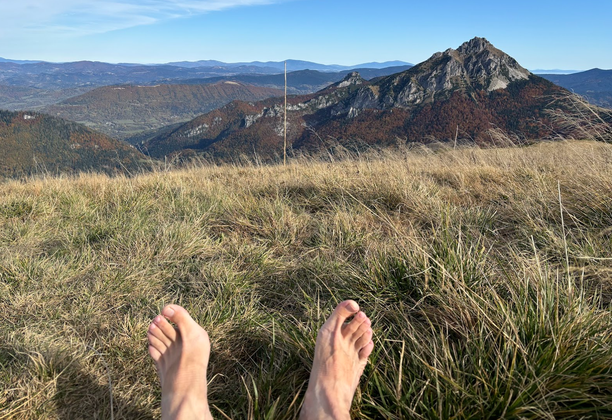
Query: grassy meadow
[[487, 274]]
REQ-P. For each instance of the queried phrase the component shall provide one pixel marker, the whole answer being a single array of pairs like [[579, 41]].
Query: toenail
[[168, 311], [153, 326], [157, 319], [352, 306]]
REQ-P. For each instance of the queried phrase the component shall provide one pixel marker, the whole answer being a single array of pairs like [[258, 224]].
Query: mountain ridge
[[125, 110], [31, 142], [594, 84], [45, 75], [469, 91]]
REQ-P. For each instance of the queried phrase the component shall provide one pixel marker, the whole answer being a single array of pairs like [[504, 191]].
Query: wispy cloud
[[81, 17]]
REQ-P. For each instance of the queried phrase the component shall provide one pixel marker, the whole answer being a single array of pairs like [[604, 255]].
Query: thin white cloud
[[81, 17]]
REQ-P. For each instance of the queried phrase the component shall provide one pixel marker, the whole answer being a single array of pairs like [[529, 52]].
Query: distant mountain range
[[122, 111], [554, 71], [94, 74], [43, 75], [292, 65], [5, 60], [595, 85], [300, 81], [32, 143], [474, 92]]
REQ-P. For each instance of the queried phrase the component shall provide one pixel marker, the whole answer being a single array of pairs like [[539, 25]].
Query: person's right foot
[[341, 353], [181, 357]]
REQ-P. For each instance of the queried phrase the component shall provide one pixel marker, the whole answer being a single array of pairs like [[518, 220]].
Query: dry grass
[[489, 297]]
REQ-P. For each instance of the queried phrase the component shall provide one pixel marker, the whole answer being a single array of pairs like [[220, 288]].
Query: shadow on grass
[[77, 394], [83, 396]]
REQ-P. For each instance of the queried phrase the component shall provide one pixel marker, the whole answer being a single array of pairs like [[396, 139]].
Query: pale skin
[[181, 355]]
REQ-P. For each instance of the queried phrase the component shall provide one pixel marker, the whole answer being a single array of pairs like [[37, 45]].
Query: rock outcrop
[[351, 79], [475, 65]]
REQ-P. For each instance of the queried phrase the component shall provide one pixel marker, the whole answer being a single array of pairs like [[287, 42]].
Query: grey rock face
[[490, 67], [474, 46], [475, 65], [365, 98], [249, 120], [353, 78], [196, 131]]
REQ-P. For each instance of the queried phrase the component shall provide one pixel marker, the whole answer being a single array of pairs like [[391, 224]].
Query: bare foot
[[341, 353], [181, 357]]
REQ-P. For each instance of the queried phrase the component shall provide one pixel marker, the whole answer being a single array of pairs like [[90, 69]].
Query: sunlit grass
[[487, 275]]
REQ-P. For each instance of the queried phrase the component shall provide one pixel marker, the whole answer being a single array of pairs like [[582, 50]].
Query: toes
[[156, 343], [349, 329], [363, 327], [165, 327], [158, 333], [180, 317], [364, 339], [155, 354], [365, 351], [343, 311]]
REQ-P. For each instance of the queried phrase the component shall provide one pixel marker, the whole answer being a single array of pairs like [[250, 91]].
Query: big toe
[[180, 317], [343, 311]]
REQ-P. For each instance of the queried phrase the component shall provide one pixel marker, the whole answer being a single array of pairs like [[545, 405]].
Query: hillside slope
[[20, 98], [121, 111], [37, 143], [487, 301], [473, 92], [595, 85]]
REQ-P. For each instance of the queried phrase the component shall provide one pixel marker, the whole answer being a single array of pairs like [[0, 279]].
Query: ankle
[[185, 407], [321, 404]]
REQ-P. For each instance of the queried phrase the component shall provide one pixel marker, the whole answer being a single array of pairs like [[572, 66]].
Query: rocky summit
[[475, 65], [473, 92]]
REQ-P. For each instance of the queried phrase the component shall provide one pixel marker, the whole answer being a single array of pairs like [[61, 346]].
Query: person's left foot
[[181, 357], [343, 346]]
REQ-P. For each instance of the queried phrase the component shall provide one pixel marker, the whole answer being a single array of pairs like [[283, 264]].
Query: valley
[[127, 110]]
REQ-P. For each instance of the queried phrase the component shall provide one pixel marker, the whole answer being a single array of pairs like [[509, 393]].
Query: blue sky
[[540, 34]]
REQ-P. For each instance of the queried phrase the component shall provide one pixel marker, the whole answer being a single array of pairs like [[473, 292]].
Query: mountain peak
[[475, 66], [475, 45], [353, 78]]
